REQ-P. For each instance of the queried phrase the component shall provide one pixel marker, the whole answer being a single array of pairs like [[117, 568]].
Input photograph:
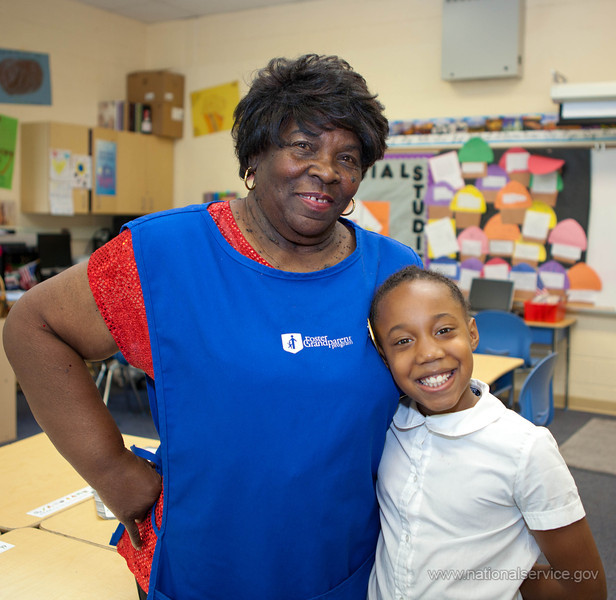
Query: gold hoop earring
[[351, 211], [247, 174]]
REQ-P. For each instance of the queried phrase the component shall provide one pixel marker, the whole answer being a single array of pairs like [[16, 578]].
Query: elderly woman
[[249, 318]]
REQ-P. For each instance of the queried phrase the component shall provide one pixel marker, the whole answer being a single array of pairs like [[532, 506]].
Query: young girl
[[470, 493]]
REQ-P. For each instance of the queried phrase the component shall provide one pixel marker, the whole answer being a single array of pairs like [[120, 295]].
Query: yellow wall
[[90, 51], [395, 44]]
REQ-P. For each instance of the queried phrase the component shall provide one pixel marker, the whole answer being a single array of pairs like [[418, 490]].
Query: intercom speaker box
[[164, 92]]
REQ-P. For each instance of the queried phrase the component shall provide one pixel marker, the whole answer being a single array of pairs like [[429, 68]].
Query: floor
[[597, 490]]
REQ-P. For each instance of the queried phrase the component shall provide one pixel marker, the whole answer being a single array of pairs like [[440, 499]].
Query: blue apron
[[271, 406]]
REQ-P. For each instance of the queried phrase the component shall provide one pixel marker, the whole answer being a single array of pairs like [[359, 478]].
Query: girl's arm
[[47, 336], [575, 570]]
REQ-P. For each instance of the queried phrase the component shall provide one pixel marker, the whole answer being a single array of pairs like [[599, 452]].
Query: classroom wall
[[395, 44], [90, 51]]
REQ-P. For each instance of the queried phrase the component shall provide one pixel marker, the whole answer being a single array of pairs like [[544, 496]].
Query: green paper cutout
[[8, 142], [476, 150]]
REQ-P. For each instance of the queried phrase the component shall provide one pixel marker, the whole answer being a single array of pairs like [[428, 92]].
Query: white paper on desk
[[470, 248], [525, 252], [61, 198], [536, 225], [446, 168], [4, 546], [442, 238], [553, 280], [62, 503], [572, 253], [545, 184], [496, 271], [524, 281]]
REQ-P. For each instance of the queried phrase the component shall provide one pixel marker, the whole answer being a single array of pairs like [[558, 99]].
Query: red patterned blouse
[[114, 281]]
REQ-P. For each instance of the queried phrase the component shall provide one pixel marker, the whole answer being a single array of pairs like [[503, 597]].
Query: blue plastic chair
[[505, 334], [127, 374], [536, 399]]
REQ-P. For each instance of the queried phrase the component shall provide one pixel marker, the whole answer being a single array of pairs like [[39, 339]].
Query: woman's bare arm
[[48, 334]]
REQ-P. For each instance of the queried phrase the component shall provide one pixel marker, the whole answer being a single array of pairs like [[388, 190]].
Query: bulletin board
[[574, 199], [412, 178]]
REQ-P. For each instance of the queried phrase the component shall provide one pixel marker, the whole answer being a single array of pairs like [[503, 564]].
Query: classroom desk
[[489, 367], [45, 565], [33, 474], [82, 523], [8, 397], [551, 334]]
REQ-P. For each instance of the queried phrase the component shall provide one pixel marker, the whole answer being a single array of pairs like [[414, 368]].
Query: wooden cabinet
[[139, 169], [37, 141], [137, 180]]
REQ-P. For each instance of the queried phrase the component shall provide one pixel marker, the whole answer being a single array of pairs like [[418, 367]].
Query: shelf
[[506, 139]]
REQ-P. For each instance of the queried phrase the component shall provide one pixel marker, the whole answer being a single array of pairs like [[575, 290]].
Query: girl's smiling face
[[427, 341]]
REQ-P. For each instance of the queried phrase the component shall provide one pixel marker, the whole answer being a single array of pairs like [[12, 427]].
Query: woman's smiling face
[[428, 345], [303, 186]]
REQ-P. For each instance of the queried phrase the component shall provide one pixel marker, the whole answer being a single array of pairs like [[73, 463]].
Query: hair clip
[[372, 336]]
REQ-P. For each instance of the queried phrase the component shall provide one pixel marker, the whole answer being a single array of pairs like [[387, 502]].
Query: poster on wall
[[8, 141], [390, 199], [24, 77], [105, 160], [212, 108]]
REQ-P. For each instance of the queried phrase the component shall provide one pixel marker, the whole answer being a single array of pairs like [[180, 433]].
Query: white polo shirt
[[458, 494]]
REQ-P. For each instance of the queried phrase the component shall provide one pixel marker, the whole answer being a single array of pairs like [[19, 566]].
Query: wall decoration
[[212, 108], [105, 153], [24, 77], [8, 142], [399, 181]]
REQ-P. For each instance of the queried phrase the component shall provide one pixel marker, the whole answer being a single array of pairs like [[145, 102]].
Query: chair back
[[505, 334], [536, 399]]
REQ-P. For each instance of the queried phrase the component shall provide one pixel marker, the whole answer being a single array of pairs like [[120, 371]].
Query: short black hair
[[415, 273], [317, 92]]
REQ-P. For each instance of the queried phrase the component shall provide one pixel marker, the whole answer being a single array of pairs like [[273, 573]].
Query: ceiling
[[157, 11]]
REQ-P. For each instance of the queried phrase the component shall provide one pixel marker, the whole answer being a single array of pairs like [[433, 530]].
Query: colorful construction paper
[[476, 150], [568, 240], [473, 242], [513, 196], [515, 160], [541, 165], [441, 235], [495, 179], [496, 268], [446, 266], [553, 275], [468, 199], [8, 141]]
